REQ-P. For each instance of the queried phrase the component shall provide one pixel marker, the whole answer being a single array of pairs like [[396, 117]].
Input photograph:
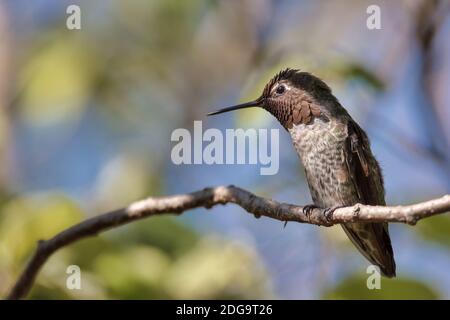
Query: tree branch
[[210, 197]]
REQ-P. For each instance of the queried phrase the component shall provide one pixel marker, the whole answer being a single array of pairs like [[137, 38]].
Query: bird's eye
[[280, 89]]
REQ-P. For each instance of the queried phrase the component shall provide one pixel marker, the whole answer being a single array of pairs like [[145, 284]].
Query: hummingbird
[[339, 165]]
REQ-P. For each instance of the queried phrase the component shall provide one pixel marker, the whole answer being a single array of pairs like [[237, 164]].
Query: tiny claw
[[328, 212], [307, 210]]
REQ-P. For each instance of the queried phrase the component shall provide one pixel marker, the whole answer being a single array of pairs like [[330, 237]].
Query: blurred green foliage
[[156, 259], [354, 287], [57, 81], [435, 229]]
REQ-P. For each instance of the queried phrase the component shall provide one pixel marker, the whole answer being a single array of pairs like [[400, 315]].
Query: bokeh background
[[85, 123]]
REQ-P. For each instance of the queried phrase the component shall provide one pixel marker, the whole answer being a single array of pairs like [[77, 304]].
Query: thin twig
[[208, 198]]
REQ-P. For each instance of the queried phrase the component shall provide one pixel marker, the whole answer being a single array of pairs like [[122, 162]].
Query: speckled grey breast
[[321, 147]]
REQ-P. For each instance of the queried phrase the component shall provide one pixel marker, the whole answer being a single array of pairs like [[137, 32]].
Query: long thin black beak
[[250, 104]]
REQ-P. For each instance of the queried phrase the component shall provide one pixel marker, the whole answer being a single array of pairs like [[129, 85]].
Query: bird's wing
[[371, 239], [364, 170]]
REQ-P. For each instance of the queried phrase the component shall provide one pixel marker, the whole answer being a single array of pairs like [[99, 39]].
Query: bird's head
[[292, 96]]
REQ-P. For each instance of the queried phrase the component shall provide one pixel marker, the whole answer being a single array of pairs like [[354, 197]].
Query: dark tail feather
[[374, 243]]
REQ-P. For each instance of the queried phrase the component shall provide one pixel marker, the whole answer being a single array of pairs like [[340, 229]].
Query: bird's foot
[[307, 210], [328, 212]]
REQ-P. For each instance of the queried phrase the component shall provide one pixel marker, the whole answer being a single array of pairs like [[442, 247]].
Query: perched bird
[[339, 165]]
